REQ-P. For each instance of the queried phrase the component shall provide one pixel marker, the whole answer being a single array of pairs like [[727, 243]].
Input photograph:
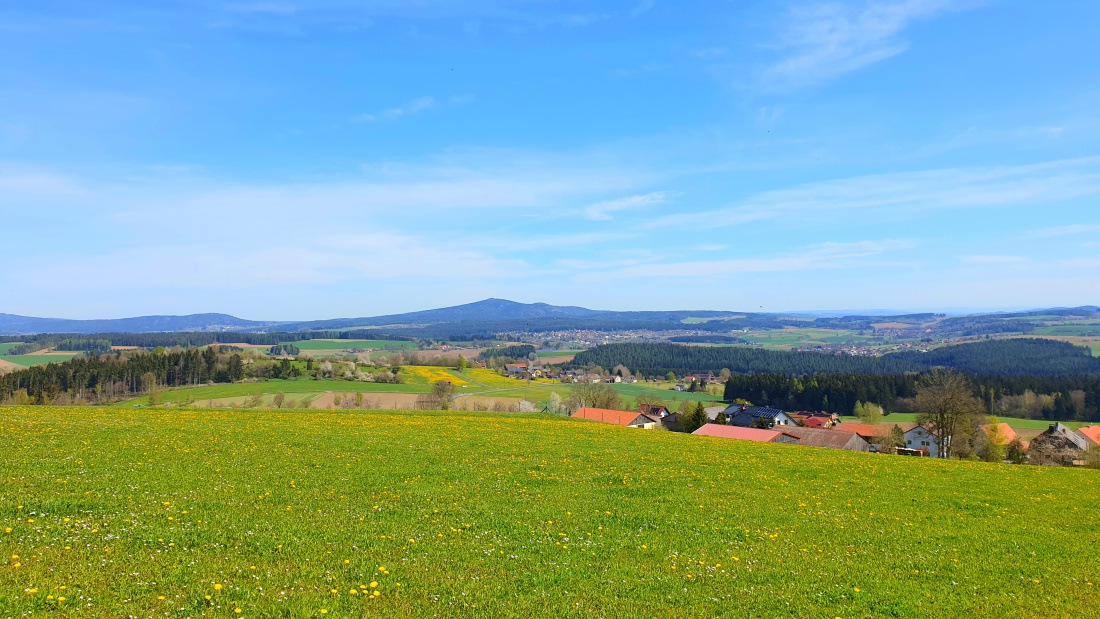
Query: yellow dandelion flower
[[217, 587], [373, 584]]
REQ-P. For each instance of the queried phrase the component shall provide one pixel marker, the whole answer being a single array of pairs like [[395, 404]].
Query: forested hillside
[[1017, 357]]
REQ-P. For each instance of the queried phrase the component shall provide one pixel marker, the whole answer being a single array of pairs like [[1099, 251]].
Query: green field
[[326, 345], [785, 339], [179, 513], [418, 379], [32, 360], [6, 346], [1083, 330]]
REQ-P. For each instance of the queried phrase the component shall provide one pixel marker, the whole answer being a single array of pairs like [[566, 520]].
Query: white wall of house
[[919, 437]]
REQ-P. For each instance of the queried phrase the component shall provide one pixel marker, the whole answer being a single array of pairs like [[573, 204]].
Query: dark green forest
[[1015, 357]]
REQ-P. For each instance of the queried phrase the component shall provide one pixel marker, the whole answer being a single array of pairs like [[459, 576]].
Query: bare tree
[[946, 402]]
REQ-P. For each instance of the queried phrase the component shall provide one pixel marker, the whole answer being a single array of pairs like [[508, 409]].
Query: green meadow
[[418, 379], [328, 345], [107, 513], [32, 360]]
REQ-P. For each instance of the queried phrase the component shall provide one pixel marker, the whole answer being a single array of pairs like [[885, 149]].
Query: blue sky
[[295, 160]]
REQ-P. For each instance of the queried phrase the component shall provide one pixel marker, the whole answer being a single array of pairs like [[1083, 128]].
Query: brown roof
[[864, 429], [833, 439], [606, 415], [745, 434], [1007, 432]]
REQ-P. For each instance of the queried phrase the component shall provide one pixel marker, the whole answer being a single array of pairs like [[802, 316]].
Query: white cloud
[[1070, 230], [995, 259], [603, 211], [414, 107], [822, 40], [1039, 185], [830, 255], [1082, 263]]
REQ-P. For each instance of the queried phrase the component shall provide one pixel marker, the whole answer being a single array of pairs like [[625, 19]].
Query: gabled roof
[[606, 415], [1006, 431], [745, 434], [653, 409], [833, 439], [753, 411], [864, 429], [1092, 433]]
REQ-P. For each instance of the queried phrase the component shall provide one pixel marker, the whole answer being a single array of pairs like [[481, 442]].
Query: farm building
[[1059, 445], [924, 439], [830, 439], [631, 419], [1091, 434], [654, 410], [747, 434], [757, 416], [822, 423]]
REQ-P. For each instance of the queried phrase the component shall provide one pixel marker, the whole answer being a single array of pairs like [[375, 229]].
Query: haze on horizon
[[297, 160]]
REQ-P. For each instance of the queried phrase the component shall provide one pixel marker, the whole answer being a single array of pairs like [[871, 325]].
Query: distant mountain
[[488, 310], [492, 316], [11, 324]]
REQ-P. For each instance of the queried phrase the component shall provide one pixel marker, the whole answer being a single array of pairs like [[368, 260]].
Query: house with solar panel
[[757, 417]]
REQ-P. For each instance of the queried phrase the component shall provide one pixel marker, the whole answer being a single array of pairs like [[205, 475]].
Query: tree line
[[1014, 357], [96, 341]]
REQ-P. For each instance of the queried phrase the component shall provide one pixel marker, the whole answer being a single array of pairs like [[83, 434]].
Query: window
[[909, 442]]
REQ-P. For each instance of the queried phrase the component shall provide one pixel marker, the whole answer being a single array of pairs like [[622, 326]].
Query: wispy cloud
[[995, 259], [414, 107], [914, 192], [832, 255], [1070, 230], [822, 40], [642, 8], [1082, 263], [268, 8], [603, 211]]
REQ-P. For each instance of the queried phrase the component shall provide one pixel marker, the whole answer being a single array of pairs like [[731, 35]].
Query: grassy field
[[32, 360], [6, 346], [178, 513], [418, 379], [337, 345], [791, 337]]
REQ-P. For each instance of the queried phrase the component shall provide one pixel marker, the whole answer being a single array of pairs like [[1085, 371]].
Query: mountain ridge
[[514, 313]]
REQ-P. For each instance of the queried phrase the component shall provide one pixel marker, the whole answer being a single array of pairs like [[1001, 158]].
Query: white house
[[921, 437]]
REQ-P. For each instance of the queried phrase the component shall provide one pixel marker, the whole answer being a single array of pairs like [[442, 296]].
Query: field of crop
[[294, 514], [791, 337], [336, 345], [429, 374], [1080, 330], [41, 359]]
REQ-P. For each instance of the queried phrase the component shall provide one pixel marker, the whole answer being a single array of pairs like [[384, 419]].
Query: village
[[1059, 445]]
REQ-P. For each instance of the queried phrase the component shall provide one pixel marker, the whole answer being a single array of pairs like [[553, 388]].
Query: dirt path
[[8, 366]]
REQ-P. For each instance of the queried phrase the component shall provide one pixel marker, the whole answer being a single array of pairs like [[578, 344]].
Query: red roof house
[[632, 419], [746, 434]]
